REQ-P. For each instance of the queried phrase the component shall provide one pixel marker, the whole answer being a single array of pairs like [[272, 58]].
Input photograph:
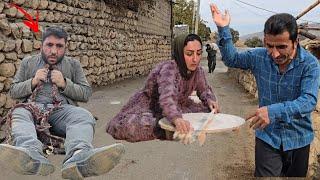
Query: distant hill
[[248, 36], [260, 34]]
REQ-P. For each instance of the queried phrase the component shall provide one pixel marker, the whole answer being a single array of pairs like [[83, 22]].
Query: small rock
[[12, 56], [3, 99], [1, 44], [18, 46], [9, 45], [43, 4], [7, 69], [26, 45], [1, 6], [10, 102], [19, 2], [11, 12], [36, 44], [2, 57]]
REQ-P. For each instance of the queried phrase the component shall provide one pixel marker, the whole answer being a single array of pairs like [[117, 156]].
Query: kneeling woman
[[165, 94]]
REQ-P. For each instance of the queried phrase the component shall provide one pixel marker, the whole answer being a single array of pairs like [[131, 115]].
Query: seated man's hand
[[41, 75], [57, 78]]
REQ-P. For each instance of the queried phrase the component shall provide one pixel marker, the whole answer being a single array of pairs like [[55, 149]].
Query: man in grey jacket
[[49, 85]]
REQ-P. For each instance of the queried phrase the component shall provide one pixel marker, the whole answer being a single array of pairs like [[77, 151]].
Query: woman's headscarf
[[178, 54]]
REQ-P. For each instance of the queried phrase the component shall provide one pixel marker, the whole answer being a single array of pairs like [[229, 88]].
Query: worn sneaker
[[92, 162], [25, 161]]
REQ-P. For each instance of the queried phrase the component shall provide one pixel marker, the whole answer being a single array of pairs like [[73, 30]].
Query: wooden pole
[[310, 28], [307, 34], [308, 9]]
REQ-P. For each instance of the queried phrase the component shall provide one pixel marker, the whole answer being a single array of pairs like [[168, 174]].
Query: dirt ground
[[226, 155]]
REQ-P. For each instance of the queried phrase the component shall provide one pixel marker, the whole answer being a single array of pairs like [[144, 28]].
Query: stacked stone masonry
[[111, 41]]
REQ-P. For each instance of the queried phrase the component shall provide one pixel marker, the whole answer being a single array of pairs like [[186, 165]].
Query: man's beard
[[45, 59], [284, 59]]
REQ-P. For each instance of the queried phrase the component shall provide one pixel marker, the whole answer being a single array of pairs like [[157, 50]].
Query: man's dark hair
[[279, 23], [55, 31]]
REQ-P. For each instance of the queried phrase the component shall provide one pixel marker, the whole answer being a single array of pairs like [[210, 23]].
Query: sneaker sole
[[22, 163], [101, 162]]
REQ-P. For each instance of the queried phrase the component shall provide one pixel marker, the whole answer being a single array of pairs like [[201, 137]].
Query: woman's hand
[[183, 131], [214, 106], [221, 20], [182, 126]]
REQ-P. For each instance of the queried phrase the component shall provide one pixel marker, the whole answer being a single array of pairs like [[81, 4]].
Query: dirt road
[[227, 155]]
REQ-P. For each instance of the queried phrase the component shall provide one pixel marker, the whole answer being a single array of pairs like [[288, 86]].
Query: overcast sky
[[247, 19]]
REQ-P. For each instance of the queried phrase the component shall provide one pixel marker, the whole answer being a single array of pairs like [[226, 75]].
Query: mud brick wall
[[112, 40], [247, 80]]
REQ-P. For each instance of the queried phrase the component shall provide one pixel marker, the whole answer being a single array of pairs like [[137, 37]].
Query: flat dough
[[221, 122]]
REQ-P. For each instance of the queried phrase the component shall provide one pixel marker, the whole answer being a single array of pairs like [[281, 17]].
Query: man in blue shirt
[[287, 81]]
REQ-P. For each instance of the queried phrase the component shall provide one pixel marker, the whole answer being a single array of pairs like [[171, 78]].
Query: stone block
[[26, 45], [26, 32], [35, 4], [7, 69], [58, 17], [12, 56], [9, 45], [3, 99], [38, 35], [19, 15], [37, 44], [1, 86], [2, 79], [61, 7], [7, 83], [1, 44], [18, 46], [50, 17], [2, 57], [93, 14], [1, 6], [72, 46], [43, 4], [97, 62], [4, 25], [52, 5], [42, 15], [15, 31], [9, 103], [11, 12], [17, 63], [91, 61]]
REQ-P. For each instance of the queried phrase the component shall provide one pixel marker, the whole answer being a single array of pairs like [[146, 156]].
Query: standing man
[[211, 57], [287, 81], [48, 85]]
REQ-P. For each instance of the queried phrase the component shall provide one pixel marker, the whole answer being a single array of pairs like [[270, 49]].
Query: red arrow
[[33, 25]]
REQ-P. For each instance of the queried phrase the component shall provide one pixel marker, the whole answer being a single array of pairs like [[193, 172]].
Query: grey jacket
[[77, 87]]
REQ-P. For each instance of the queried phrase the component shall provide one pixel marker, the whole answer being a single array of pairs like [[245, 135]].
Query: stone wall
[[247, 80], [111, 40]]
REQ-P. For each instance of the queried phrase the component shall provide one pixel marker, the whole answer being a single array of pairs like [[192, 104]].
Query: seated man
[[49, 84]]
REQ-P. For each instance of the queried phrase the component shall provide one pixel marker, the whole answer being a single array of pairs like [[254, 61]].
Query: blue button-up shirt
[[290, 97]]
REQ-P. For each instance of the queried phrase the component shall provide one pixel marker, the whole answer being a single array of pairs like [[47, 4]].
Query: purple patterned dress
[[164, 95]]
